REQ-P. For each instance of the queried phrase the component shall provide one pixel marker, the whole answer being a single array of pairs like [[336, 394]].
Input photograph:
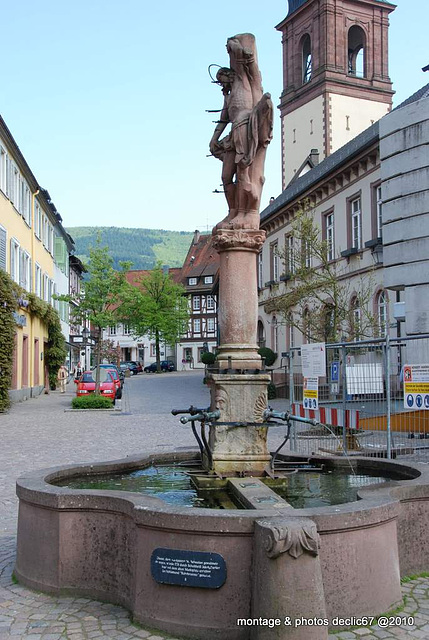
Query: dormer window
[[306, 59], [192, 281], [208, 279]]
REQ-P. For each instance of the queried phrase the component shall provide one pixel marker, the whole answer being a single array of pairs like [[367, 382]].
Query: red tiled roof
[[202, 259]]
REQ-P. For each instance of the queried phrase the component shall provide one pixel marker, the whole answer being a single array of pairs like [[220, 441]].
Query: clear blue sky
[[107, 99]]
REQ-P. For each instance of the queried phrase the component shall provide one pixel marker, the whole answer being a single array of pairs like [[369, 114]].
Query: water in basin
[[172, 484]]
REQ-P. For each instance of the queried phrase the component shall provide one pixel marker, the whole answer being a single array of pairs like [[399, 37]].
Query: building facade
[[199, 275], [29, 229], [404, 147]]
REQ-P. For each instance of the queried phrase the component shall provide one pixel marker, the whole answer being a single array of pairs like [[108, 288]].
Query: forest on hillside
[[143, 247]]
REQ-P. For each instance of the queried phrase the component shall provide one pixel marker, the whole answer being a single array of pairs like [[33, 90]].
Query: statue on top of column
[[242, 151]]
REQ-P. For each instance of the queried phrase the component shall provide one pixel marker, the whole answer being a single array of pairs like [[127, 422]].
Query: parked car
[[166, 365], [133, 368], [113, 367], [138, 365], [86, 385]]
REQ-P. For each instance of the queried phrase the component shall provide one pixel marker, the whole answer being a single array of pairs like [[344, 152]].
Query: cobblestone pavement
[[39, 433]]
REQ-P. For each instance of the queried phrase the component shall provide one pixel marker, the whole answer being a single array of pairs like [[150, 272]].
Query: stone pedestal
[[287, 580], [238, 295], [240, 398]]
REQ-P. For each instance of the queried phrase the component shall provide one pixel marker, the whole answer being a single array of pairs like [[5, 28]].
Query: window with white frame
[[196, 303], [197, 325], [382, 303], [38, 282], [3, 156], [14, 260], [51, 239], [330, 236], [37, 220], [274, 259], [3, 245], [306, 253], [153, 350], [260, 281], [211, 325], [356, 313], [127, 329], [112, 330], [25, 270], [356, 220], [379, 204], [210, 303], [291, 334], [26, 203], [45, 287], [290, 254], [274, 334], [15, 187], [208, 279], [192, 281]]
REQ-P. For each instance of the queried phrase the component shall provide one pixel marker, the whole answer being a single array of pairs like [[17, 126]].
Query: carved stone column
[[287, 580], [238, 295]]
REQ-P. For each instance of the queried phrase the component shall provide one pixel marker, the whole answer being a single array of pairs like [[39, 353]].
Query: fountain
[[257, 567]]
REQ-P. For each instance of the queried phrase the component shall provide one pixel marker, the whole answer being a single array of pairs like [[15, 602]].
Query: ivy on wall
[[8, 305], [11, 298]]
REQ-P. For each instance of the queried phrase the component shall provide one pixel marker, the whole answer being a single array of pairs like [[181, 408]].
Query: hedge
[[92, 402]]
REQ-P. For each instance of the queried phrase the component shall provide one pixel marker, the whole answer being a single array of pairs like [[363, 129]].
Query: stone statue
[[242, 151]]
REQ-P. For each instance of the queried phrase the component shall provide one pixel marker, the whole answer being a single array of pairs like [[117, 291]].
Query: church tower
[[335, 76]]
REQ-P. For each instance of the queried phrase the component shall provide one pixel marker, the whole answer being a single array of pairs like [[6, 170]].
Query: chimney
[[314, 156], [197, 236]]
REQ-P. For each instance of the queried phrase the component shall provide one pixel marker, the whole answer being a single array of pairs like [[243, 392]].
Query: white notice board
[[313, 359], [364, 378]]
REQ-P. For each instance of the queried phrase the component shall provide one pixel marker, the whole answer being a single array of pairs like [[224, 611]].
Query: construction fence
[[373, 400]]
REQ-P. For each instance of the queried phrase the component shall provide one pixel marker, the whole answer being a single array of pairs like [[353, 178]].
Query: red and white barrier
[[329, 415]]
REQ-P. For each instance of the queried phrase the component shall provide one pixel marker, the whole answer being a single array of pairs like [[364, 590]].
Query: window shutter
[[3, 249], [21, 279]]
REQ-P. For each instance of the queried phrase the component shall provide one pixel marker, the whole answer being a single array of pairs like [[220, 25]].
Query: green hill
[[143, 247]]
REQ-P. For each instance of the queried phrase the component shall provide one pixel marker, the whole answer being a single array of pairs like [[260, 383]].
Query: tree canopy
[[156, 305], [322, 300]]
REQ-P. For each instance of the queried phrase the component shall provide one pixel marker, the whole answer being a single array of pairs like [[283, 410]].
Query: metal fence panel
[[361, 400]]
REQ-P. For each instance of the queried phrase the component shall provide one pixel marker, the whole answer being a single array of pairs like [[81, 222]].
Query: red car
[[86, 385]]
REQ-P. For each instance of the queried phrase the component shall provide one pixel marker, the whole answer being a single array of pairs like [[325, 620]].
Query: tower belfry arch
[[335, 75]]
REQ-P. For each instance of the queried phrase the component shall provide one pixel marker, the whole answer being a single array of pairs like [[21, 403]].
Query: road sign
[[335, 371]]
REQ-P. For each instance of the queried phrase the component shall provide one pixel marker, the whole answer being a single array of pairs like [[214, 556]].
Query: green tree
[[322, 299], [156, 306], [101, 297]]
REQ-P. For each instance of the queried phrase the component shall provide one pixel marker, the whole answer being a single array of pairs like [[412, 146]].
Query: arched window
[[306, 59], [306, 326], [274, 334], [261, 334], [356, 52], [328, 317], [355, 318], [382, 313]]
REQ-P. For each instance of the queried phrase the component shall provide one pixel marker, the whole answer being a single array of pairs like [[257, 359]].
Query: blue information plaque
[[188, 568]]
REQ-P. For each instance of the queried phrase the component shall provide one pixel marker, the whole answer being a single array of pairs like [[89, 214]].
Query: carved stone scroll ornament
[[294, 539], [224, 239], [260, 407]]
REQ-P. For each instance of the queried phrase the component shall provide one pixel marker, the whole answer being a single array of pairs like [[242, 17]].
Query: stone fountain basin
[[99, 544]]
